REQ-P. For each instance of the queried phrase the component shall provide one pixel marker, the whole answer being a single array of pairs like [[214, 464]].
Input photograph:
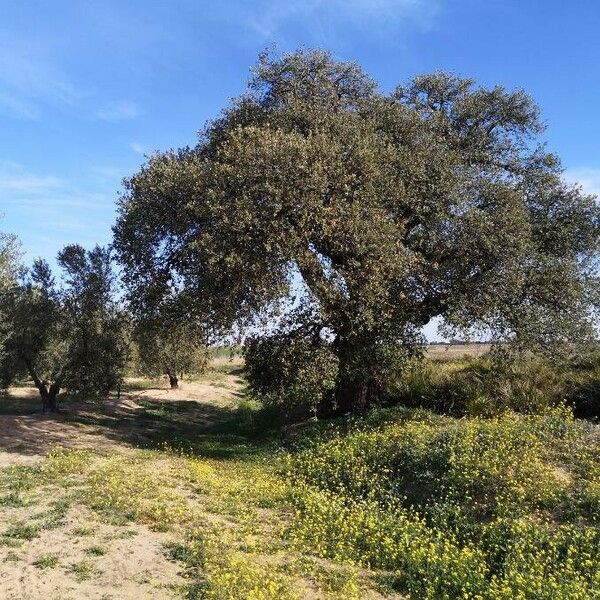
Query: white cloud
[[27, 84], [48, 211], [271, 15], [23, 190], [137, 148], [119, 111], [588, 178], [15, 106], [17, 182]]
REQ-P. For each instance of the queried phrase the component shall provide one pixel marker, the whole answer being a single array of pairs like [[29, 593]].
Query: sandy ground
[[134, 564], [27, 434]]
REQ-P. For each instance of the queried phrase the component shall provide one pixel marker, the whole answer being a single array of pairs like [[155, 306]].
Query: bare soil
[[84, 557]]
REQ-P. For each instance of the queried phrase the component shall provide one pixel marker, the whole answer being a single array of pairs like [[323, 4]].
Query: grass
[[453, 509], [12, 500], [83, 570], [95, 551], [470, 386], [48, 561], [83, 531], [22, 531], [402, 502]]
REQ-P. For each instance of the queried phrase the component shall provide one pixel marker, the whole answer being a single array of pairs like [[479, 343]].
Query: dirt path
[[27, 434], [51, 545]]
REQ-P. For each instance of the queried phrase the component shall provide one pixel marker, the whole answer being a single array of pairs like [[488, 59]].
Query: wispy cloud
[[21, 189], [28, 84], [271, 15], [15, 181], [587, 177], [119, 111], [16, 107], [138, 148], [48, 211]]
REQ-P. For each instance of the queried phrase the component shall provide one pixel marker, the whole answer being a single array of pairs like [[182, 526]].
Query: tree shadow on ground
[[213, 429], [586, 400]]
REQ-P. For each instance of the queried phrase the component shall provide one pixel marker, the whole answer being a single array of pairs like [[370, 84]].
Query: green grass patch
[[95, 550], [83, 570], [22, 531], [48, 561]]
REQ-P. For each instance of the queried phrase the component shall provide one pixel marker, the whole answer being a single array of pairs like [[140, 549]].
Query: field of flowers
[[400, 503], [501, 508]]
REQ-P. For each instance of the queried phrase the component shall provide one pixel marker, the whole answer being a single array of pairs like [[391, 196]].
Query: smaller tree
[[294, 367], [9, 269], [97, 325], [291, 370], [172, 350], [36, 345], [68, 335]]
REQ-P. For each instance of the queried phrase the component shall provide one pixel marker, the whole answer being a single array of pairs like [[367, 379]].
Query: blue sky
[[88, 87]]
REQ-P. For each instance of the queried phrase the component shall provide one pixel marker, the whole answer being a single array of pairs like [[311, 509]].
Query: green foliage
[[486, 386], [83, 570], [167, 348], [96, 325], [390, 209], [9, 270], [293, 369], [10, 255], [70, 335], [48, 561], [488, 509]]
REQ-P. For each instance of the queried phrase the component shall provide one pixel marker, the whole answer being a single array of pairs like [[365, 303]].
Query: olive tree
[[9, 270], [173, 350], [66, 335], [384, 209]]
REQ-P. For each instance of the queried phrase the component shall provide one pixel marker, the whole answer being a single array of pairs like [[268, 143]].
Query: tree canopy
[[9, 271], [382, 210], [66, 334], [172, 349]]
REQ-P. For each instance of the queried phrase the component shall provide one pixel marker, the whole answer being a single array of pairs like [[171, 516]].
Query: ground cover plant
[[399, 503]]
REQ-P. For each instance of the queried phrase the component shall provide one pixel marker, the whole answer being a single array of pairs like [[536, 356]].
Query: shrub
[[485, 387], [292, 370]]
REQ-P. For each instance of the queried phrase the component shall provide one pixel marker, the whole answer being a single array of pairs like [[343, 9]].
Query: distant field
[[454, 351]]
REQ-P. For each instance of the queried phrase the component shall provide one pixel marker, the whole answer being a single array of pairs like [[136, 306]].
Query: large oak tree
[[388, 208]]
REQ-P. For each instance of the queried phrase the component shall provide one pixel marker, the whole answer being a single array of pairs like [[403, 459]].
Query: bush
[[291, 370], [485, 387]]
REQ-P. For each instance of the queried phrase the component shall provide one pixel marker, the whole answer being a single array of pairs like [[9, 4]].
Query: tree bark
[[173, 381], [354, 391], [353, 396], [48, 391]]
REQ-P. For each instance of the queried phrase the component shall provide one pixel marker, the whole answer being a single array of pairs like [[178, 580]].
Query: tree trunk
[[51, 403], [48, 392], [354, 391], [352, 396], [173, 381]]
